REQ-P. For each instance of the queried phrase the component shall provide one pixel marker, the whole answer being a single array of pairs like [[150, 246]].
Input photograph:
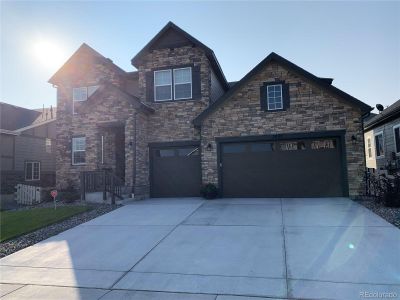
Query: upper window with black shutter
[[274, 96]]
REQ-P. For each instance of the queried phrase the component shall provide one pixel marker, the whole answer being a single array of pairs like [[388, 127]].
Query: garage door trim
[[340, 134], [164, 145]]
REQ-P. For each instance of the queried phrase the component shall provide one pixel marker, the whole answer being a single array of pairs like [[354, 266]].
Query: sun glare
[[48, 54]]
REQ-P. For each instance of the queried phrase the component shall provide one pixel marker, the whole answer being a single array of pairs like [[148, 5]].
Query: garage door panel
[[300, 168], [176, 172]]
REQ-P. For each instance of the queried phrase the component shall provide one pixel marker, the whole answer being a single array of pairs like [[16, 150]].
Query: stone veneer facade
[[311, 109], [91, 121]]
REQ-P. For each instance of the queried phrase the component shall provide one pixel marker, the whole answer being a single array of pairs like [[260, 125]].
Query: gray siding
[[216, 87], [30, 148], [29, 145], [388, 137], [7, 152]]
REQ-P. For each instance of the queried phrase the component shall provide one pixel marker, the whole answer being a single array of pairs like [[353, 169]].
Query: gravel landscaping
[[390, 214], [16, 244]]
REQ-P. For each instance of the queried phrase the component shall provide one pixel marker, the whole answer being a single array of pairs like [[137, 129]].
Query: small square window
[[80, 93], [32, 170], [48, 145]]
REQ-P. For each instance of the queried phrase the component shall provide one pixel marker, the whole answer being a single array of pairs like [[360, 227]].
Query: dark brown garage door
[[175, 171], [284, 168]]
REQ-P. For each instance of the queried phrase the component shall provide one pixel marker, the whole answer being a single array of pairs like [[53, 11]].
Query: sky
[[356, 43]]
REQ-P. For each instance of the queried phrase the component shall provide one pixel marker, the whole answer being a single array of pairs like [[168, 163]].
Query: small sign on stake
[[54, 193]]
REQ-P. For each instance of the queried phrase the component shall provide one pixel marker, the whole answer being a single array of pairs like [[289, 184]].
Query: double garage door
[[308, 167]]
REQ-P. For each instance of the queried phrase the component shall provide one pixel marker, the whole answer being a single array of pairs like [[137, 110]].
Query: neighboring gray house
[[27, 146], [382, 139]]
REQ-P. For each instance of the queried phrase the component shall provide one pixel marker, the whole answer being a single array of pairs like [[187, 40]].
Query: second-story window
[[173, 84], [274, 97], [182, 83], [162, 85], [80, 94]]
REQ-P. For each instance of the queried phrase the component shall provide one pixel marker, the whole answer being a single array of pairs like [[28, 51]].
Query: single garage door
[[283, 168], [175, 171]]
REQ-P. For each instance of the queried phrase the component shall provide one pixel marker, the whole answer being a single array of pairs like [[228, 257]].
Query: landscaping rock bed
[[390, 214], [16, 244]]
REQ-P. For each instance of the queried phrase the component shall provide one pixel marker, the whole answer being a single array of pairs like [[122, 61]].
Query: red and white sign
[[53, 193]]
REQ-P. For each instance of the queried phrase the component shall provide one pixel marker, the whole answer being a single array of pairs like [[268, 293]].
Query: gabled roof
[[84, 49], [392, 111], [322, 82], [14, 117], [105, 86], [209, 53]]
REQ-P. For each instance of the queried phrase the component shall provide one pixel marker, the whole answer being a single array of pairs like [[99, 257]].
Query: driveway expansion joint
[[148, 252]]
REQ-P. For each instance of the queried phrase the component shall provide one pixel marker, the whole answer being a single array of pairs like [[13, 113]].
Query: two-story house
[[382, 139], [176, 123]]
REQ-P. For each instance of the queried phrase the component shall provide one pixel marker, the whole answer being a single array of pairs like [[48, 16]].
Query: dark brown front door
[[284, 168], [175, 171]]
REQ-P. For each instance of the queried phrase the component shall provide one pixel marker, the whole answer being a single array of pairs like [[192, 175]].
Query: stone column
[[129, 151]]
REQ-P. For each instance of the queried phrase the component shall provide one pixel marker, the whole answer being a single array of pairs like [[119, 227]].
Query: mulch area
[[18, 243], [390, 214]]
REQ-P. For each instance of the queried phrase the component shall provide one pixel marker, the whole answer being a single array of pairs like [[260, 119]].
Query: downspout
[[363, 117], [134, 155]]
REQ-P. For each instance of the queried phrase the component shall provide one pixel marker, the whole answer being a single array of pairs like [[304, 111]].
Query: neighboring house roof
[[15, 119], [33, 126], [105, 86], [84, 48], [322, 82], [209, 53], [391, 112], [46, 114]]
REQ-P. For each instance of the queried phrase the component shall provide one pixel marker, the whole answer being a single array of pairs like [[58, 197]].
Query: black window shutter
[[196, 82], [150, 86], [263, 97], [286, 96]]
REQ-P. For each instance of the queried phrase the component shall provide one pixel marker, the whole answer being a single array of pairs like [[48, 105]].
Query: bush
[[209, 191], [391, 195], [69, 195]]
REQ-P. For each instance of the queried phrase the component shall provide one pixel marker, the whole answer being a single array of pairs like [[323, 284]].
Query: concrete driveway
[[227, 249]]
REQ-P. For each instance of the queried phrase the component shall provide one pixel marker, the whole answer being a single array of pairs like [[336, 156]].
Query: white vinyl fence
[[27, 194]]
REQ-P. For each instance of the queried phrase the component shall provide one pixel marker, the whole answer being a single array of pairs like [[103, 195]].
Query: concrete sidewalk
[[226, 249]]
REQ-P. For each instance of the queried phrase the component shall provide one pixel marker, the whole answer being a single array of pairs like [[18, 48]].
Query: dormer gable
[[172, 36]]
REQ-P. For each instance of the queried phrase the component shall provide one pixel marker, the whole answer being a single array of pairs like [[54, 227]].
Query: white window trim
[[369, 147], [33, 163], [280, 86], [191, 84], [73, 152], [397, 151], [73, 94], [383, 144], [154, 87], [87, 95]]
